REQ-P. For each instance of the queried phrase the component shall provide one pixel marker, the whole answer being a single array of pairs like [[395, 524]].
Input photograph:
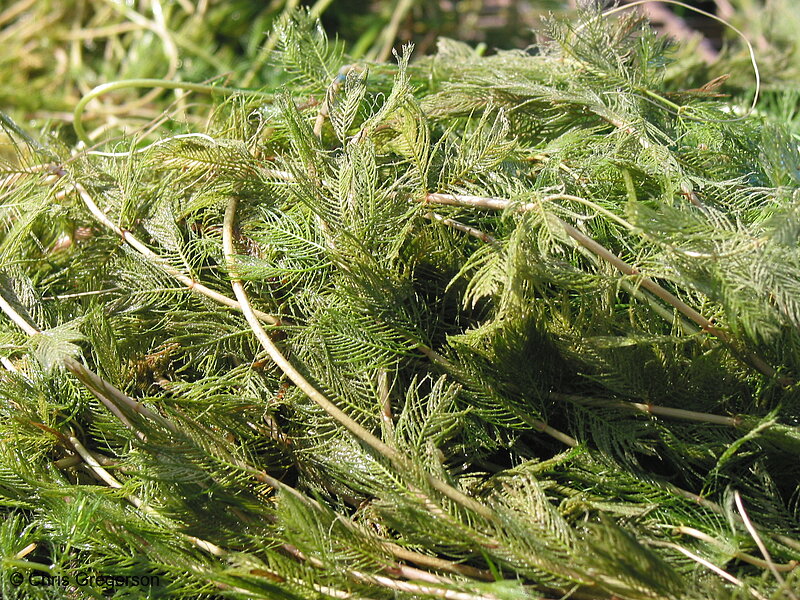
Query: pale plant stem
[[396, 458], [714, 568], [99, 32], [413, 588], [99, 471], [278, 357], [502, 204], [112, 398], [384, 393], [137, 245], [473, 201], [82, 294], [113, 408], [14, 10], [759, 542], [414, 574], [748, 558], [403, 571], [17, 318], [103, 389], [458, 226], [75, 459], [657, 307], [433, 562], [652, 409], [593, 205], [162, 141], [651, 286], [98, 91], [554, 433], [716, 508], [390, 31], [645, 282], [25, 551]]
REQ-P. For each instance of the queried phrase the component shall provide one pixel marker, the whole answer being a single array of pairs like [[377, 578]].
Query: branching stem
[[397, 460], [191, 284], [645, 282]]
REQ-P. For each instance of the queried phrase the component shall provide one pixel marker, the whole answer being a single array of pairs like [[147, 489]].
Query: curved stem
[[753, 560], [753, 61], [117, 402], [391, 454], [137, 245], [714, 568], [105, 88], [757, 539]]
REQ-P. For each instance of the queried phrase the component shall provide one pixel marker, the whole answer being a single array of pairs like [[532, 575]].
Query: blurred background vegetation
[[55, 51]]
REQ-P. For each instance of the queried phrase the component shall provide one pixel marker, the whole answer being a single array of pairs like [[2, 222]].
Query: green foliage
[[492, 281]]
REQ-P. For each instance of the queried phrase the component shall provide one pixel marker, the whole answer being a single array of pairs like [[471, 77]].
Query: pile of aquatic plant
[[515, 326]]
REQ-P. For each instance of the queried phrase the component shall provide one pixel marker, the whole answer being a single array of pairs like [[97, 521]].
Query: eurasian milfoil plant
[[514, 326]]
